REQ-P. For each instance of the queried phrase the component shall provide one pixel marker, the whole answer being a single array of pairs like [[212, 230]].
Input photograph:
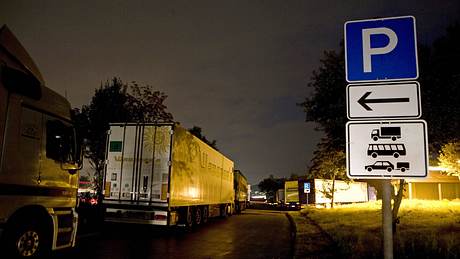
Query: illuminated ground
[[427, 229]]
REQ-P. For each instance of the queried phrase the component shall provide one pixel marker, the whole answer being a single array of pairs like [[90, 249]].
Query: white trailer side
[[344, 192]]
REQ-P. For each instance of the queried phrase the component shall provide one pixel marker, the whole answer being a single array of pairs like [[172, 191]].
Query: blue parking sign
[[306, 187], [381, 49]]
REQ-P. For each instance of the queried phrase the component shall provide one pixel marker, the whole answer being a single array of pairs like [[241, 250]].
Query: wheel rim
[[198, 216], [28, 243], [189, 218]]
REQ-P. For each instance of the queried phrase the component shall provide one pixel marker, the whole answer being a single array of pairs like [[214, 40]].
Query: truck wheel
[[223, 211], [374, 155], [205, 215], [393, 138], [188, 217], [396, 155], [389, 169], [229, 210], [29, 240], [369, 169], [403, 169], [197, 216], [375, 138]]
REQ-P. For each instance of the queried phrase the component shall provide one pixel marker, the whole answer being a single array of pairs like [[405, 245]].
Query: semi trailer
[[279, 197], [39, 159], [161, 174], [291, 192], [241, 191]]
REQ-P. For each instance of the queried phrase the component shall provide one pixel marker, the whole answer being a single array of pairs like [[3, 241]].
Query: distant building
[[436, 186]]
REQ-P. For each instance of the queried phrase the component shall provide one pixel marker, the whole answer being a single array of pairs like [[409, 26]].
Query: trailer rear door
[[138, 162]]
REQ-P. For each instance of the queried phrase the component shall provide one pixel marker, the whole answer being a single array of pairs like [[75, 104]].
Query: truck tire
[[197, 216], [29, 239], [389, 169], [403, 169], [229, 210], [369, 169], [223, 211], [396, 155], [205, 215], [375, 138], [188, 217]]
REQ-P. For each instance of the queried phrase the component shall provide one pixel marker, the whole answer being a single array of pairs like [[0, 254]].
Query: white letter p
[[368, 51]]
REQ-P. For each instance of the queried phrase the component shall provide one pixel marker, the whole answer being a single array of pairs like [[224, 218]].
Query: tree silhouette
[[270, 185], [198, 132]]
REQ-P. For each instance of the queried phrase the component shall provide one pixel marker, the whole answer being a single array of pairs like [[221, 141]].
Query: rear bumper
[[147, 217]]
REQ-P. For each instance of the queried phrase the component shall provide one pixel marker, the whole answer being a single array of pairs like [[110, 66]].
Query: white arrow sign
[[383, 101], [387, 149]]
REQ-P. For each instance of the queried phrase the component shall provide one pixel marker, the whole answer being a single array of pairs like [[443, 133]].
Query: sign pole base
[[387, 218]]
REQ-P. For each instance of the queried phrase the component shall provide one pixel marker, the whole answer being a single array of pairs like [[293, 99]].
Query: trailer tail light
[[160, 217]]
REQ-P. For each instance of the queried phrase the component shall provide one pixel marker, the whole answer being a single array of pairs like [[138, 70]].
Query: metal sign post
[[387, 218]]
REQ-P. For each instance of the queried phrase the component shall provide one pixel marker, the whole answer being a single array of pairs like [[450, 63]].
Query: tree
[[146, 105], [115, 101], [326, 105], [329, 164], [440, 81], [197, 132], [270, 185], [449, 158]]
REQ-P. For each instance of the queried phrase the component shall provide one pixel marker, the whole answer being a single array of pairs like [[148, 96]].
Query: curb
[[293, 234]]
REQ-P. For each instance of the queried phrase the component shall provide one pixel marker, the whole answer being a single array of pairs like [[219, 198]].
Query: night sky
[[234, 68]]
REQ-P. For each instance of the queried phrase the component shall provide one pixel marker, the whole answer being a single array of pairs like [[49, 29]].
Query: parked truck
[[291, 192], [241, 191], [160, 174], [39, 159], [280, 198], [392, 133]]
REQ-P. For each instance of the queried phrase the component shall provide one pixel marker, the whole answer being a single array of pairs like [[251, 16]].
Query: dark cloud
[[235, 68]]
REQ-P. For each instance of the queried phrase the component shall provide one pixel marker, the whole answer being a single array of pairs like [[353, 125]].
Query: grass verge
[[427, 229]]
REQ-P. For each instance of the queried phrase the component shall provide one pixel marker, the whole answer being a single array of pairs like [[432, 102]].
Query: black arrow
[[363, 101]]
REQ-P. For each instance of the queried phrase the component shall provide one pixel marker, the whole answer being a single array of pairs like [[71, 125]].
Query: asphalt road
[[253, 234]]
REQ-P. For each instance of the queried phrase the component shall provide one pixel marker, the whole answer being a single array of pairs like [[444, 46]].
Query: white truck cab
[[39, 158]]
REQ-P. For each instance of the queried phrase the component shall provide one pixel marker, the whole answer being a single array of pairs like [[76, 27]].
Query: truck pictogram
[[392, 133]]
